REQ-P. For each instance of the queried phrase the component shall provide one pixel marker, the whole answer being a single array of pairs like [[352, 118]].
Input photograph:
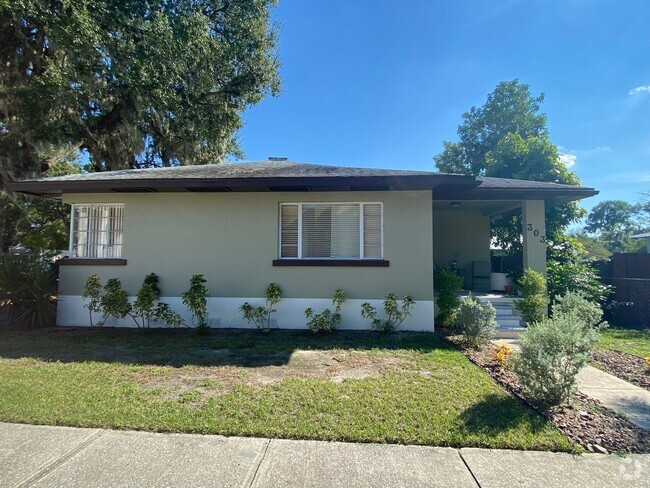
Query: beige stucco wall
[[461, 235], [232, 238]]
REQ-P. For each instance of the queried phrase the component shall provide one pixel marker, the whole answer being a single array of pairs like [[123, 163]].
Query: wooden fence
[[630, 276]]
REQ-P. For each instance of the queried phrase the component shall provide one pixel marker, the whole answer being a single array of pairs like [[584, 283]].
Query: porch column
[[534, 232]]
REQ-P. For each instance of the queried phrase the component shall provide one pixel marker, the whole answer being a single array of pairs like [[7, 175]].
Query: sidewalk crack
[[59, 461], [468, 468], [257, 469]]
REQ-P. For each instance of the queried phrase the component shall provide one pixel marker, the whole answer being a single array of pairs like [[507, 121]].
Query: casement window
[[97, 230], [331, 231]]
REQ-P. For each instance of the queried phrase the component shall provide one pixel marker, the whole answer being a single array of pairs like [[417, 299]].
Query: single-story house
[[310, 228]]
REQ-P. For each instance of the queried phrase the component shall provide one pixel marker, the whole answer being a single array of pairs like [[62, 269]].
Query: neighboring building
[[310, 228], [645, 236]]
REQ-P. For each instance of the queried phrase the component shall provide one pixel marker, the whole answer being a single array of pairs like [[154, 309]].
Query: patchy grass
[[405, 388], [630, 341]]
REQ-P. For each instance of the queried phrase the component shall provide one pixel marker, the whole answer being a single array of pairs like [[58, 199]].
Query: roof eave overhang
[[555, 196], [443, 187]]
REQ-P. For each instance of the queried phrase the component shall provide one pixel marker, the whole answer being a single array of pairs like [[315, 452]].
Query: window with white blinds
[[331, 231], [97, 230]]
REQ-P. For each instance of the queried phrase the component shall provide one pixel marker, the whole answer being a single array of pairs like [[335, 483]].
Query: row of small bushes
[[328, 319], [111, 300]]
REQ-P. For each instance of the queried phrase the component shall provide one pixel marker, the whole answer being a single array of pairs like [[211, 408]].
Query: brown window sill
[[91, 262], [358, 263]]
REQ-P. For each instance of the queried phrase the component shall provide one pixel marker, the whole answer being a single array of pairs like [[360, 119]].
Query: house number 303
[[537, 233]]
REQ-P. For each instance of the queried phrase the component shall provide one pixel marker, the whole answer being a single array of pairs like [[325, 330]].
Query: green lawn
[[631, 341], [404, 388]]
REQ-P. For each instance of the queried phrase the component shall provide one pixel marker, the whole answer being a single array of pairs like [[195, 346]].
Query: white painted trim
[[382, 230], [224, 313], [361, 229], [362, 234], [90, 206], [299, 256], [71, 241]]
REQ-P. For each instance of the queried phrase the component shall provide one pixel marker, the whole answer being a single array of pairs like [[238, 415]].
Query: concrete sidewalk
[[616, 394], [44, 456]]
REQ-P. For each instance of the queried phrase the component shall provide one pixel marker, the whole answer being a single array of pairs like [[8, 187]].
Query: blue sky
[[383, 83]]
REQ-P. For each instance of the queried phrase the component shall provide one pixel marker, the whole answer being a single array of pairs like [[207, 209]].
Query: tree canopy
[[138, 83], [613, 222], [507, 138], [509, 109], [612, 216], [38, 222]]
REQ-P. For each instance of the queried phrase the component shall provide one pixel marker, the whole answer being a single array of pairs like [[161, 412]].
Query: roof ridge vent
[[276, 158]]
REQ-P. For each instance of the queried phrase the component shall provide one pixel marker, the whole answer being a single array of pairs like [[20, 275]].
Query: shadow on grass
[[182, 347], [496, 414]]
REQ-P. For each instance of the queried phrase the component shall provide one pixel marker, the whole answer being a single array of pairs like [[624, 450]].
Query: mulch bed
[[626, 366], [583, 420]]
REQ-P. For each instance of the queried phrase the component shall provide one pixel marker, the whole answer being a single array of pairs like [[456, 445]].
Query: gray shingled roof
[[489, 182], [294, 176], [261, 169]]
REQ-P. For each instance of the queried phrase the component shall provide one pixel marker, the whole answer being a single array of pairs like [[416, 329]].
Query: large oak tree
[[132, 82]]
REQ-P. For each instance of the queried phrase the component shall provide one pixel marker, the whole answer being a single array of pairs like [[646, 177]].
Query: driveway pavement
[[44, 456]]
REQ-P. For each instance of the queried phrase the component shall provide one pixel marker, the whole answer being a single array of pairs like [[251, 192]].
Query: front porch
[[462, 242]]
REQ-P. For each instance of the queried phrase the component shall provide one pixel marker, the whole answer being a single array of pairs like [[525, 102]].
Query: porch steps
[[509, 320]]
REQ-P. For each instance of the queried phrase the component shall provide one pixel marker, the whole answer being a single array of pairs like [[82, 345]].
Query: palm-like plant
[[28, 286]]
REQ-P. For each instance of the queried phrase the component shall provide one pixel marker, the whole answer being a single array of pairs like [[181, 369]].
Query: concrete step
[[509, 321], [499, 300], [509, 332]]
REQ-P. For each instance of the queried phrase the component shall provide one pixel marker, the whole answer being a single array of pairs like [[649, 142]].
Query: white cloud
[[570, 156], [639, 89], [569, 160]]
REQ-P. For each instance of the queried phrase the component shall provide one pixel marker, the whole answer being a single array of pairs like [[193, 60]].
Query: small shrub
[[261, 316], [327, 321], [501, 355], [147, 305], [552, 353], [578, 306], [196, 300], [92, 292], [447, 284], [395, 313], [475, 321], [115, 301], [165, 313], [533, 306], [146, 299], [647, 361], [28, 287]]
